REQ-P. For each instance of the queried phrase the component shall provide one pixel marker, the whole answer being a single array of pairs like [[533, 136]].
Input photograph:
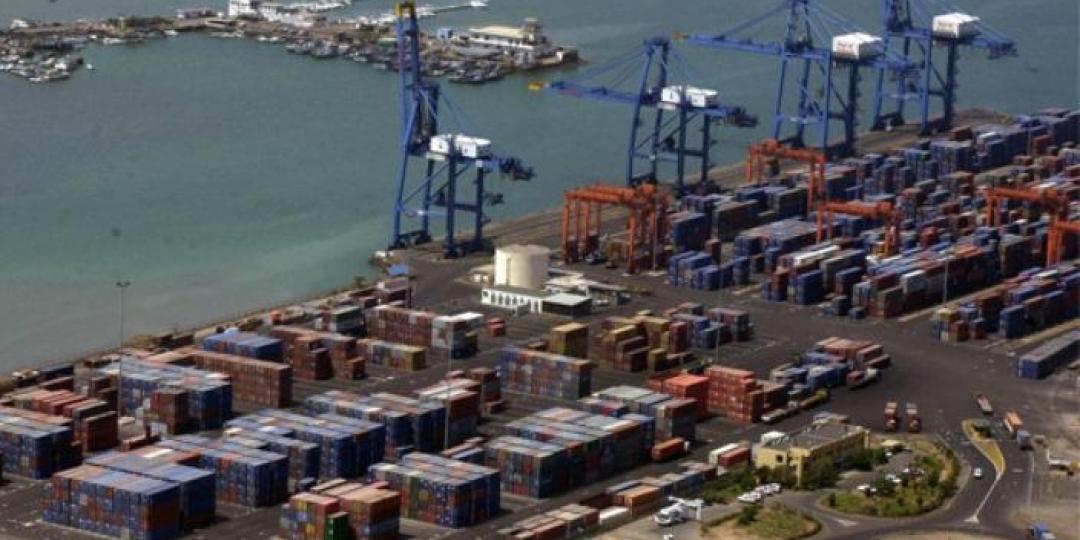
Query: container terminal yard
[[877, 332]]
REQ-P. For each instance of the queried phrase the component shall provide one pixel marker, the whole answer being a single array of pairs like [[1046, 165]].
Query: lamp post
[[121, 286]]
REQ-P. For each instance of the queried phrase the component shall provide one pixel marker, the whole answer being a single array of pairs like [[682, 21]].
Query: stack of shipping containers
[[411, 425], [36, 445], [210, 394], [442, 491], [347, 446], [544, 373]]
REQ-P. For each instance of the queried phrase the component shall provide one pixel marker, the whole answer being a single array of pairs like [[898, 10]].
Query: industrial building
[[800, 450]]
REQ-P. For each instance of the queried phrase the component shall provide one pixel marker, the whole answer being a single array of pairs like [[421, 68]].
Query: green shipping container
[[337, 526]]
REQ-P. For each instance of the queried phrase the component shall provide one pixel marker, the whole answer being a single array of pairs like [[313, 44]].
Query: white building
[[535, 301], [527, 39], [243, 8]]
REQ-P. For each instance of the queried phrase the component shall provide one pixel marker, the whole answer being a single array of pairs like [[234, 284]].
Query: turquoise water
[[223, 175]]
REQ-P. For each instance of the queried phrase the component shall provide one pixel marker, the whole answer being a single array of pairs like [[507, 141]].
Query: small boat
[[113, 41], [323, 51], [172, 33], [90, 67]]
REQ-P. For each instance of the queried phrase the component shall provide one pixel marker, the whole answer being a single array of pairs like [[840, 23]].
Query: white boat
[[113, 41], [172, 33], [481, 4], [90, 67]]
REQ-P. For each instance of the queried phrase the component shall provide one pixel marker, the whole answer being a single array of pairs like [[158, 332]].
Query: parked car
[[977, 473]]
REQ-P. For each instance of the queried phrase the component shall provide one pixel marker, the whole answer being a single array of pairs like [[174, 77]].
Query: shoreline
[[49, 51]]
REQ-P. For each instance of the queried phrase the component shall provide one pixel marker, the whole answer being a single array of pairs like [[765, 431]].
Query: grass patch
[[729, 486], [772, 522], [782, 523], [914, 496]]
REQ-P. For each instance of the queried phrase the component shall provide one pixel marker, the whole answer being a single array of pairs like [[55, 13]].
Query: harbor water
[[219, 176]]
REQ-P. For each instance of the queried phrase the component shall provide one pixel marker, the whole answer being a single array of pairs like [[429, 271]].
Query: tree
[[748, 514], [820, 474]]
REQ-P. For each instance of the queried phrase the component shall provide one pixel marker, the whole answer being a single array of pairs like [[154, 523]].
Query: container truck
[[891, 420], [914, 424], [860, 378], [984, 404], [1013, 423]]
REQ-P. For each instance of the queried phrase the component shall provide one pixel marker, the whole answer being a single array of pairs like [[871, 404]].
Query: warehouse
[[802, 449]]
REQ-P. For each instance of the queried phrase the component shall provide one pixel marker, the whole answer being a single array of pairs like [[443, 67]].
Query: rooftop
[[817, 435], [508, 32]]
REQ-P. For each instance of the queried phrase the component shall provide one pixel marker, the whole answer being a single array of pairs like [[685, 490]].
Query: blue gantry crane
[[445, 157], [822, 44], [914, 28], [642, 79]]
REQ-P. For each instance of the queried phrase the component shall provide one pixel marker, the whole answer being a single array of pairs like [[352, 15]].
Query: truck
[[914, 424], [984, 404], [1013, 423], [1040, 531], [861, 378], [891, 418], [679, 511]]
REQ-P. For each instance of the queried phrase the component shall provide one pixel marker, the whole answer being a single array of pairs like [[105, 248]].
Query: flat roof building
[[802, 449]]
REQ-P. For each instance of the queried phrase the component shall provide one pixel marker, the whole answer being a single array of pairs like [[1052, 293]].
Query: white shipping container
[[856, 46], [614, 514], [696, 97], [955, 25], [470, 147], [714, 455]]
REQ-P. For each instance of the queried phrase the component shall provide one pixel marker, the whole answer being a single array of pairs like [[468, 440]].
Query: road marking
[[1031, 477], [990, 450]]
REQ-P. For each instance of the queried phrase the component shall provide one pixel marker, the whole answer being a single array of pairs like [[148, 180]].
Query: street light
[[121, 286]]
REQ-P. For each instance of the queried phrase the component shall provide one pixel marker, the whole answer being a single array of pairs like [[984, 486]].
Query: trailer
[[984, 404]]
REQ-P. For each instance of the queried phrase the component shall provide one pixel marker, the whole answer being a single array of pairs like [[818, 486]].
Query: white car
[[863, 488], [771, 489], [750, 498], [977, 473]]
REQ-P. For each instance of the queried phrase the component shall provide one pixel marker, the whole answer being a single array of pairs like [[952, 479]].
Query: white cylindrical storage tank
[[522, 266]]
